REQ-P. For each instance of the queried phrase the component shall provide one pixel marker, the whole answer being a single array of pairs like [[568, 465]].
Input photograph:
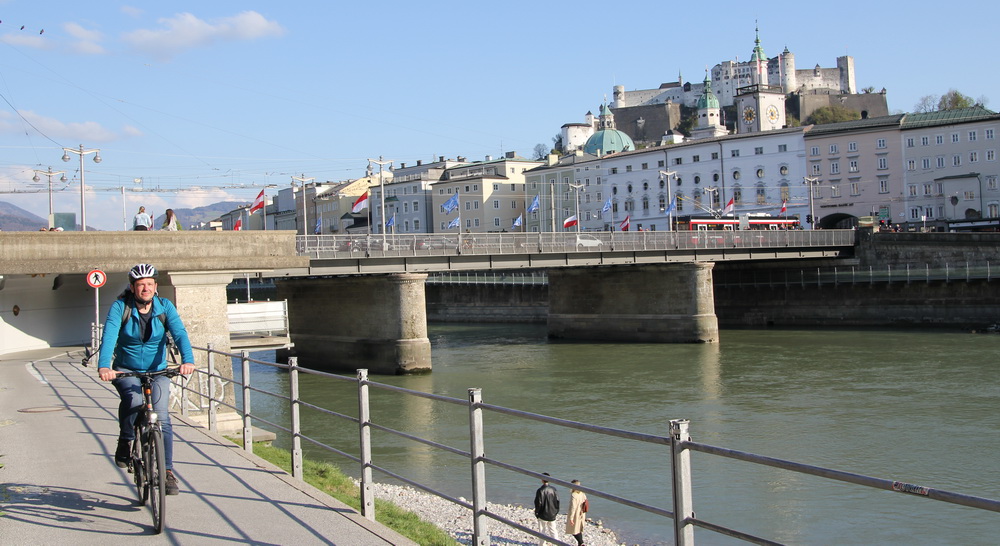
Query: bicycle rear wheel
[[157, 475]]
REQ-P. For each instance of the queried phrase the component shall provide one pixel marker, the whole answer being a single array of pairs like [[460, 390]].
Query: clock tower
[[759, 108]]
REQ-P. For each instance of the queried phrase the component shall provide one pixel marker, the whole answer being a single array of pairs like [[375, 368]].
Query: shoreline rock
[[457, 521]]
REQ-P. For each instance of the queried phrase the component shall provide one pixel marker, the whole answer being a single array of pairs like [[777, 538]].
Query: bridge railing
[[678, 442], [425, 244], [850, 275]]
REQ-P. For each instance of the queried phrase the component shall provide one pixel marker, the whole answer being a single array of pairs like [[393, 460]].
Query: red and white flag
[[569, 222], [360, 204], [784, 207], [624, 225], [238, 225], [258, 203], [730, 206]]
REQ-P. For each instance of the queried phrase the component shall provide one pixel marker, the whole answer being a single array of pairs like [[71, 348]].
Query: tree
[[541, 151], [925, 105], [832, 114], [953, 100]]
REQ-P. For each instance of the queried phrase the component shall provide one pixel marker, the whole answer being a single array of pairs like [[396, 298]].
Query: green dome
[[608, 141], [708, 99]]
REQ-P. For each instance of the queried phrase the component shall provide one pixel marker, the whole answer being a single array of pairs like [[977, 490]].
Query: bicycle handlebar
[[169, 372]]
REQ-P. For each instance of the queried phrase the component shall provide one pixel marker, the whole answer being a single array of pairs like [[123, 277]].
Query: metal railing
[[430, 244], [678, 442], [840, 275], [533, 277]]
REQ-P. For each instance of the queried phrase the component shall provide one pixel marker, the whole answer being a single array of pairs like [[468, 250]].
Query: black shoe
[[172, 488], [122, 453]]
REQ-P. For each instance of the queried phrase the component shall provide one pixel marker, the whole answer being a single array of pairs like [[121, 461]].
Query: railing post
[[480, 535], [247, 426], [680, 459], [293, 385], [364, 418], [213, 412]]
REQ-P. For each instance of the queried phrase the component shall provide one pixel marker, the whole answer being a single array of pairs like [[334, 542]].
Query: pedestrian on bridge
[[142, 221], [135, 340]]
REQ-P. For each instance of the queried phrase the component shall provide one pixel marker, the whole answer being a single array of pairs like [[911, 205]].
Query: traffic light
[[809, 219]]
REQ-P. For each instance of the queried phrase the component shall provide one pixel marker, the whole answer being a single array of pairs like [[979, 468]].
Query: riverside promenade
[[59, 484]]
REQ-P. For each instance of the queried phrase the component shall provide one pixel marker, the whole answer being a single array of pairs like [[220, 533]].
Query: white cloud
[[89, 131], [185, 31], [35, 41], [77, 31], [131, 11]]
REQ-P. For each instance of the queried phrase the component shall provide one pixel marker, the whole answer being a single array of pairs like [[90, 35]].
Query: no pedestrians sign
[[96, 278]]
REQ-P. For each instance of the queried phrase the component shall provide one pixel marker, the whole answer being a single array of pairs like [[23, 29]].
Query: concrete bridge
[[358, 301]]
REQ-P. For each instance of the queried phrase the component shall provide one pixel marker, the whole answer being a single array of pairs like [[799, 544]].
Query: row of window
[[851, 147], [942, 161], [852, 166], [972, 136]]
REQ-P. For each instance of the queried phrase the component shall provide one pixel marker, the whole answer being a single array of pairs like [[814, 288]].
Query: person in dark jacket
[[546, 509]]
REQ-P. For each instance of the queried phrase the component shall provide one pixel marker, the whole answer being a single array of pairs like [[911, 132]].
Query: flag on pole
[[319, 225], [730, 206], [624, 225], [569, 222], [360, 204], [238, 225], [784, 207], [392, 221], [455, 223], [534, 205], [517, 222], [258, 203], [673, 205], [607, 205], [450, 204]]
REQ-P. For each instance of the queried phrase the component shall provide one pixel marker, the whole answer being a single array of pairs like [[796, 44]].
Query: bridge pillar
[[378, 322], [662, 303], [201, 301]]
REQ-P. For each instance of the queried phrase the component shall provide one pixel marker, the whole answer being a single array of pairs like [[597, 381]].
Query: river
[[922, 407]]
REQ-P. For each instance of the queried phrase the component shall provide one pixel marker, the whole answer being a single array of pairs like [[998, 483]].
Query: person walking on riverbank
[[577, 514], [546, 509]]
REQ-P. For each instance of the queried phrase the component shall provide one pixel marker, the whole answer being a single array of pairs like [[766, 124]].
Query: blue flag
[[607, 205], [391, 222], [319, 225], [673, 205], [534, 205], [517, 222], [455, 223], [450, 204]]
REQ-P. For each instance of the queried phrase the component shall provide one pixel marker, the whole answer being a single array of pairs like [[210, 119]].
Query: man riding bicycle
[[135, 340]]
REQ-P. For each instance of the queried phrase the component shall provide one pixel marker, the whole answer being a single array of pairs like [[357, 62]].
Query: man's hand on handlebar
[[107, 374], [186, 368]]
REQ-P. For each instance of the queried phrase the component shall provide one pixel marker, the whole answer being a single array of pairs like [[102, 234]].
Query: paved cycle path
[[59, 483]]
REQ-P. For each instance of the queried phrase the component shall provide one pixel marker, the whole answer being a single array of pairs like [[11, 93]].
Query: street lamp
[[666, 175], [83, 186], [381, 188], [49, 173], [305, 216], [711, 201], [812, 214], [578, 188]]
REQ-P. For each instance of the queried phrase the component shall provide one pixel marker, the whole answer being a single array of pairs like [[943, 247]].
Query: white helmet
[[142, 271]]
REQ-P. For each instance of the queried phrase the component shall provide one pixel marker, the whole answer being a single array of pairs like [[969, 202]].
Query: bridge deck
[[60, 485]]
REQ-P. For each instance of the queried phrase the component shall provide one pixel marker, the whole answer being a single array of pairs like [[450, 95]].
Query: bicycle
[[147, 463]]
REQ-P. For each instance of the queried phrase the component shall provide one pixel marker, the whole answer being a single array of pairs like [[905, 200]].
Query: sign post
[[96, 279]]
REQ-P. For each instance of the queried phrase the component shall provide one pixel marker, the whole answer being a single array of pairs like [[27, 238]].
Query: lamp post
[[666, 175], [305, 216], [381, 189], [83, 186], [49, 173], [578, 188], [713, 191], [812, 215]]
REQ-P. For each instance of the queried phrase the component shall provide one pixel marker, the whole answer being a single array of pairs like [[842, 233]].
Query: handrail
[[678, 442]]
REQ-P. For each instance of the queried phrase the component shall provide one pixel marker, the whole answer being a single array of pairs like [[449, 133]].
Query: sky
[[192, 103]]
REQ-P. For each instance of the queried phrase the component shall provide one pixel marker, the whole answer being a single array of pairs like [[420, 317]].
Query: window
[[786, 192], [695, 159], [645, 166], [852, 166], [496, 203], [989, 134], [912, 190], [940, 162], [855, 188], [956, 160], [834, 149], [496, 187], [973, 157], [816, 169], [852, 146], [814, 150], [991, 155], [761, 194], [416, 206], [736, 175], [760, 173], [628, 168], [734, 153], [991, 182], [911, 165], [939, 139], [954, 137], [645, 204], [972, 136], [883, 185], [759, 150], [783, 170], [880, 143], [659, 163], [928, 188], [909, 142], [678, 161], [416, 225], [915, 213], [883, 163], [970, 196], [614, 170], [834, 167], [834, 191], [513, 204], [926, 163], [925, 141], [715, 155], [476, 222], [782, 147], [496, 222], [645, 186]]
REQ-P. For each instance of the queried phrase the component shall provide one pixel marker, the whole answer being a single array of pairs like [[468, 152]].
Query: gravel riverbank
[[457, 521]]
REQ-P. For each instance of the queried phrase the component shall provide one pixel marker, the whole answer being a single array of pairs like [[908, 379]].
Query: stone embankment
[[457, 521]]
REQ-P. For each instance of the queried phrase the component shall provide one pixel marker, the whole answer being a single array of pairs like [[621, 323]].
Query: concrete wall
[[915, 248]]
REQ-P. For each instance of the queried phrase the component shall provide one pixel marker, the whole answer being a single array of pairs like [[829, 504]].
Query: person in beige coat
[[577, 514]]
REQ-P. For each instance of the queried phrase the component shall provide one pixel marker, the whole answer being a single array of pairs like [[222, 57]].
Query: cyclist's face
[[144, 290]]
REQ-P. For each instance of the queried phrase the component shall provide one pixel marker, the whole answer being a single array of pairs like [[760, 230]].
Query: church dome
[[708, 99], [608, 141]]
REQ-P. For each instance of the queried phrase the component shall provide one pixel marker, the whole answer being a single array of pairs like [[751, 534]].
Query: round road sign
[[96, 278]]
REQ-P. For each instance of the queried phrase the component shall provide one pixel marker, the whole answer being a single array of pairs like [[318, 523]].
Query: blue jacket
[[126, 346]]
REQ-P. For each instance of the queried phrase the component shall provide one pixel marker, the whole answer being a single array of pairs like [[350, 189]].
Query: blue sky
[[219, 98]]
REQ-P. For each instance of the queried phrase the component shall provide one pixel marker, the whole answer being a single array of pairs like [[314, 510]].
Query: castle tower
[[619, 97], [709, 120], [760, 108], [846, 66], [788, 80]]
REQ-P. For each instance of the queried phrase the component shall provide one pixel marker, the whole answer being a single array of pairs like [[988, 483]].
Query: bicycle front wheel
[[138, 465], [156, 478]]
